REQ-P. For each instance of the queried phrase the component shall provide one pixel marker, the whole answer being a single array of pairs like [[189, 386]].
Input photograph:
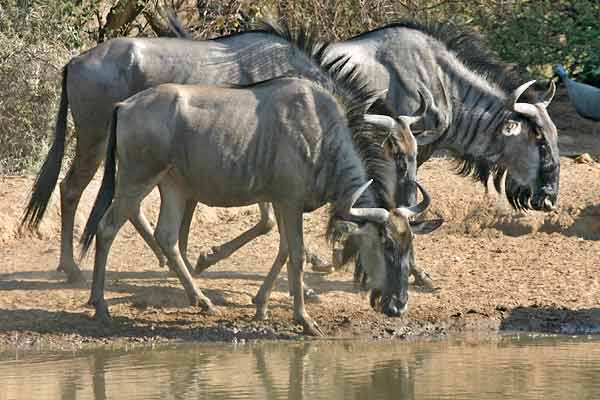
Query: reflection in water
[[498, 368]]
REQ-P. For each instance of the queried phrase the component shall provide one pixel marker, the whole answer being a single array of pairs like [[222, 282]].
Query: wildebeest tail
[[107, 189], [48, 176]]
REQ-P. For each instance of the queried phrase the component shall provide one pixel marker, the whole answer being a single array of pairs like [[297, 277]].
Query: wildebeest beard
[[522, 197], [519, 197]]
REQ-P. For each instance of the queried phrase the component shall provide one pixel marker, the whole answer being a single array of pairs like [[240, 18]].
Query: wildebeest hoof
[[261, 314], [325, 268], [206, 305], [75, 277], [205, 260], [102, 314], [212, 310], [74, 274], [320, 265], [310, 327], [424, 281]]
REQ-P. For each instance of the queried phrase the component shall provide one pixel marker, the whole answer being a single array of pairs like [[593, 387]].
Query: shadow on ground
[[552, 320], [194, 328]]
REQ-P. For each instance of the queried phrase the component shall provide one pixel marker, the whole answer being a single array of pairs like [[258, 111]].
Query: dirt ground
[[495, 269]]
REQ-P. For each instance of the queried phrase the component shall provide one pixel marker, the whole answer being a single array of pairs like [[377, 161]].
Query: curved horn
[[382, 121], [526, 109], [546, 99], [417, 209], [419, 114], [429, 136], [518, 92], [358, 192], [379, 215]]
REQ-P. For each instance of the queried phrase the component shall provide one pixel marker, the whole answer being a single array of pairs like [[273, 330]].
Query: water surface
[[514, 367]]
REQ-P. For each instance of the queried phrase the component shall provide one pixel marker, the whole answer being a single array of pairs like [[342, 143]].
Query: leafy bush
[[34, 45], [537, 34]]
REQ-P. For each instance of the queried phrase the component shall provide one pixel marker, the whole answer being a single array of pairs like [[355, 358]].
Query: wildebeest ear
[[344, 227], [425, 227], [511, 128]]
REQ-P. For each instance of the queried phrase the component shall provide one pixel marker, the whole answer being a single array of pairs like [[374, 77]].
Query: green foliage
[[34, 42], [537, 34]]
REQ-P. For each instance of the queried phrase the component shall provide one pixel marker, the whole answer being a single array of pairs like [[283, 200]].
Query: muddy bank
[[496, 270]]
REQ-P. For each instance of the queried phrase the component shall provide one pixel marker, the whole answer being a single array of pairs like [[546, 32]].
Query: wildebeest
[[94, 81], [476, 109], [289, 141]]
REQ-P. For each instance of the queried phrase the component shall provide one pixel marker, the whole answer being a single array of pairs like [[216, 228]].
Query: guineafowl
[[585, 98]]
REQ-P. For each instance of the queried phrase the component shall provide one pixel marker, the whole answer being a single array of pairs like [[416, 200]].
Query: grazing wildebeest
[[113, 71], [288, 141], [476, 109]]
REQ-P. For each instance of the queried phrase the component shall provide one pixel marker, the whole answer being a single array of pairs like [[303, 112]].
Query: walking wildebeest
[[94, 81], [288, 141]]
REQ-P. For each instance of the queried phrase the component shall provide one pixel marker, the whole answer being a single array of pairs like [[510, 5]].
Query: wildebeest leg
[[318, 264], [266, 223], [292, 223], [264, 293], [141, 224], [264, 226], [108, 228], [184, 232], [172, 209], [82, 170]]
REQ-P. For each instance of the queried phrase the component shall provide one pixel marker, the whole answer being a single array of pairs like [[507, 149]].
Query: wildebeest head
[[383, 238], [531, 152], [401, 147]]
